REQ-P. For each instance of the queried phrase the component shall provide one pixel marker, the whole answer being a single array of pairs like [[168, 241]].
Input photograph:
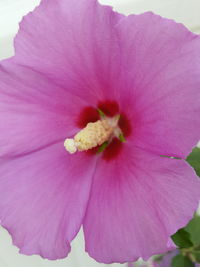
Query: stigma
[[93, 135]]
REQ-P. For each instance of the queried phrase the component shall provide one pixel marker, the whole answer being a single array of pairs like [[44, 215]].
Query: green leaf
[[181, 261], [194, 160], [193, 228], [182, 239], [196, 255]]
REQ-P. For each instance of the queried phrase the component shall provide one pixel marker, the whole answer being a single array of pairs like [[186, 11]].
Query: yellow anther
[[94, 134]]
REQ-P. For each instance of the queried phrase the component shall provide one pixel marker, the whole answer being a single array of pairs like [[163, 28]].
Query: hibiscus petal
[[161, 82], [136, 204], [69, 41], [43, 197], [35, 112]]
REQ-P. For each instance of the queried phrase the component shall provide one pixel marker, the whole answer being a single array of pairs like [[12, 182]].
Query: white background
[[11, 12]]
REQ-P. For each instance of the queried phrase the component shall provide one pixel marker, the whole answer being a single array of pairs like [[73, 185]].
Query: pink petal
[[73, 42], [136, 203], [35, 112], [43, 197], [161, 63]]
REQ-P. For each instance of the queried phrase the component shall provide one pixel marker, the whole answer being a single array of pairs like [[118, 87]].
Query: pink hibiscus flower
[[73, 63]]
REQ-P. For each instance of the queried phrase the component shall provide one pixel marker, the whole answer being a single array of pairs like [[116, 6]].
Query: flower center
[[102, 130], [99, 133]]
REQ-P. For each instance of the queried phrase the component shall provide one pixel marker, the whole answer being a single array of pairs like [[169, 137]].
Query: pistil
[[93, 135]]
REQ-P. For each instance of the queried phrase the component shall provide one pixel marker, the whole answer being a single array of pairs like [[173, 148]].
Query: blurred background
[[11, 12]]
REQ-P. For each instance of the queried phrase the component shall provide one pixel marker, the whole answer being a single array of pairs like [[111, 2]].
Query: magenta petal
[[43, 197], [72, 41], [34, 111], [136, 203], [162, 83]]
